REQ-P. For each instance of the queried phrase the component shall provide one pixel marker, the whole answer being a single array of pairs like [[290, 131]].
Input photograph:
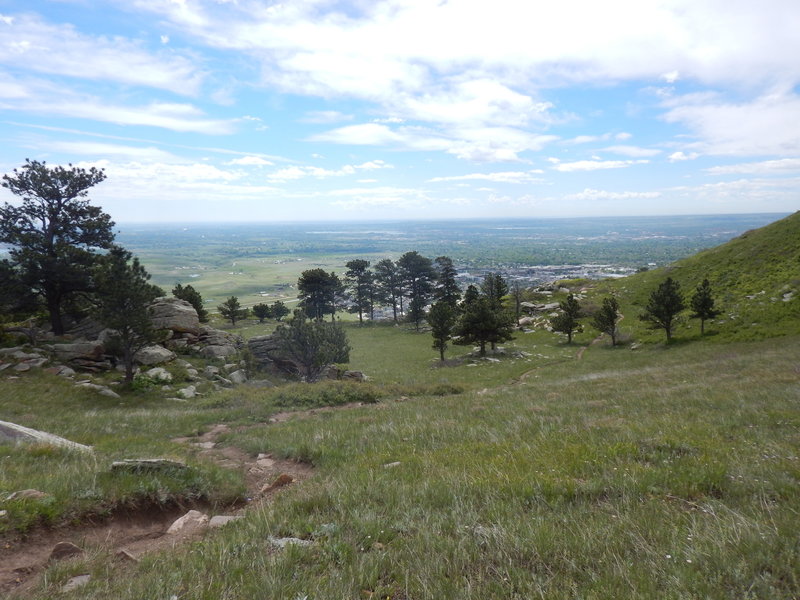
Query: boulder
[[266, 355], [154, 355], [79, 351], [238, 377], [174, 314], [100, 389], [215, 351], [159, 374], [193, 520], [17, 434], [64, 550], [222, 520], [187, 393], [216, 337]]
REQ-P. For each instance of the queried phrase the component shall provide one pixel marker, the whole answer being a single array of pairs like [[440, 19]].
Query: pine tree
[[664, 306], [361, 283], [702, 303], [123, 294], [482, 324], [54, 233], [232, 310], [446, 285], [318, 292], [605, 320], [262, 311], [567, 320], [279, 310], [442, 319], [193, 297], [388, 285], [418, 276]]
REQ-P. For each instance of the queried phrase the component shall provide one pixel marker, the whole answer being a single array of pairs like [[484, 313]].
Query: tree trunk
[[483, 348], [441, 353], [54, 308]]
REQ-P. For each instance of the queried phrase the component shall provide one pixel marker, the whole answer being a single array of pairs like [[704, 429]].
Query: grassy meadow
[[667, 471]]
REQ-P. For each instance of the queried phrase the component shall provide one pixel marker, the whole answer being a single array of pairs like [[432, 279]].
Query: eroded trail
[[129, 534]]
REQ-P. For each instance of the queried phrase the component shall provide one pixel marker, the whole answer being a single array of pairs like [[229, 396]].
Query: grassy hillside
[[755, 279]]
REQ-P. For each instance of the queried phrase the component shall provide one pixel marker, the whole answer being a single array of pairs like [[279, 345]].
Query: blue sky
[[231, 110]]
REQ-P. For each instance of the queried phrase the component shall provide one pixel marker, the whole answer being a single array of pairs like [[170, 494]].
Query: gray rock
[[76, 582], [22, 367], [159, 374], [174, 314], [230, 367], [139, 465], [85, 351], [238, 377], [222, 520], [100, 389], [154, 355], [35, 363], [192, 520], [29, 494], [260, 383], [64, 550], [216, 337], [217, 351], [222, 381], [17, 434], [109, 393], [210, 371], [10, 351], [187, 393]]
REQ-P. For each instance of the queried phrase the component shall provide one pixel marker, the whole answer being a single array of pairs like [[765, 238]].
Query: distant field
[[249, 259]]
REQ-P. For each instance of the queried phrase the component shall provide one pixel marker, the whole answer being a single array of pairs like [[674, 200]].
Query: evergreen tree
[[279, 310], [664, 306], [193, 297], [481, 324], [702, 303], [494, 287], [312, 345], [123, 294], [361, 286], [442, 319], [605, 319], [262, 311], [55, 232], [232, 310], [418, 276], [470, 296], [446, 285], [388, 285], [567, 320], [318, 292]]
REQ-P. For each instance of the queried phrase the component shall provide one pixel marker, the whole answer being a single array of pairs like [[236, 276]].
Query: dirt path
[[129, 534]]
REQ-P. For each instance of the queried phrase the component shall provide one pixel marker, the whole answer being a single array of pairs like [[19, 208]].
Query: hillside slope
[[755, 278]]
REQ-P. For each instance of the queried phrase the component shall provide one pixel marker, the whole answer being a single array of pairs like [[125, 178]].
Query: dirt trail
[[128, 534]]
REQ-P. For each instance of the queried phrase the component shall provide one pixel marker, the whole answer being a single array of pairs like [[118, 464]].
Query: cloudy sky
[[202, 110]]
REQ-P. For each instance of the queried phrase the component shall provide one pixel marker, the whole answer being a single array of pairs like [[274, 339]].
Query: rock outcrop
[[174, 314], [18, 434]]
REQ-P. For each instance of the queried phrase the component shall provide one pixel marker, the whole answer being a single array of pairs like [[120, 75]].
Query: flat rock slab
[[18, 434], [143, 465], [76, 582], [64, 550], [222, 520]]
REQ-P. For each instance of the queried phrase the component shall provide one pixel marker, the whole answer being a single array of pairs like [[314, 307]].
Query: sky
[[240, 110]]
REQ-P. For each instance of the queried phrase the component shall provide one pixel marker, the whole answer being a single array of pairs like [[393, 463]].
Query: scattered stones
[[222, 520], [76, 582], [192, 520], [26, 495], [11, 432], [100, 389], [138, 465], [60, 370], [64, 550]]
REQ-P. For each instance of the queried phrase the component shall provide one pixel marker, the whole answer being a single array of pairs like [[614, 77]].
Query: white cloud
[[6, 20], [633, 151], [499, 177], [61, 50], [298, 172], [622, 136], [594, 165], [165, 39], [250, 161], [325, 117], [681, 156], [767, 125], [778, 166], [592, 194], [99, 149]]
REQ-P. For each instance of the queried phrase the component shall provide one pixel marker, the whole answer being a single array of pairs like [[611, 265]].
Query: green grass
[[663, 472]]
